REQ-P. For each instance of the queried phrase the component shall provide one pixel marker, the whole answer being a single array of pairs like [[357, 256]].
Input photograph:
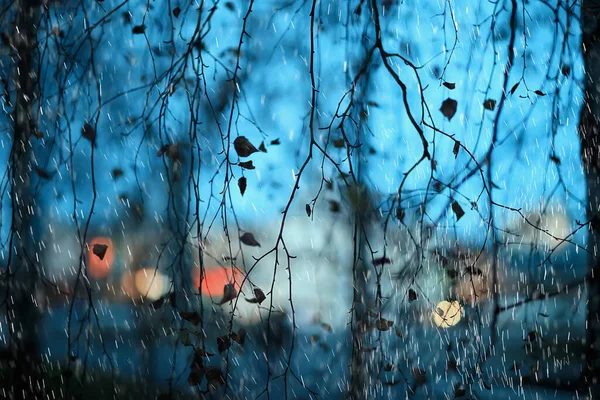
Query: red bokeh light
[[215, 279]]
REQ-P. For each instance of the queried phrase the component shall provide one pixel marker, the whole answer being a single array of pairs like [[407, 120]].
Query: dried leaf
[[456, 148], [42, 173], [214, 377], [489, 104], [248, 239], [246, 164], [275, 142], [448, 108], [400, 214], [412, 295], [334, 206], [229, 293], [449, 85], [223, 343], [191, 316], [339, 143], [384, 324], [239, 337], [433, 164], [259, 297], [262, 147], [176, 12], [243, 147], [242, 185], [99, 250], [230, 6], [117, 173], [565, 70], [514, 88], [308, 210], [88, 132], [457, 210], [138, 29], [326, 326], [382, 261], [539, 93]]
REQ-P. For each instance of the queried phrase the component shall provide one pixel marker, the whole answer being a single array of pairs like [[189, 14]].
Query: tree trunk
[[589, 130], [22, 312]]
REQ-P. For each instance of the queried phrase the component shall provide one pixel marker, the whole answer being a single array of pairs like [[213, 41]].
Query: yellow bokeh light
[[447, 314]]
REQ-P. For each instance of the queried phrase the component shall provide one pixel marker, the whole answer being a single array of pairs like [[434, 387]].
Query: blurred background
[[303, 199]]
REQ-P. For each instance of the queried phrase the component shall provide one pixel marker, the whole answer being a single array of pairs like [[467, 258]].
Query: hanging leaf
[[456, 148], [412, 295], [117, 173], [243, 147], [539, 93], [489, 104], [381, 261], [433, 165], [176, 12], [565, 70], [42, 173], [383, 324], [246, 164], [400, 214], [339, 143], [239, 337], [138, 29], [99, 250], [458, 211], [334, 206], [242, 185], [448, 108], [214, 377], [248, 239], [230, 6], [223, 343], [88, 132], [514, 88], [275, 142], [308, 210], [262, 147], [259, 296], [191, 316], [449, 85], [229, 293]]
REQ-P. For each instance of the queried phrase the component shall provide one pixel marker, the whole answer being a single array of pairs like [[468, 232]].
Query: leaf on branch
[[248, 239], [539, 93], [138, 29], [339, 143], [555, 159], [191, 316], [242, 185], [308, 210], [456, 149], [214, 377], [243, 147], [565, 70], [449, 85], [42, 173], [448, 108], [223, 343], [412, 295], [176, 12], [99, 250], [229, 293], [457, 210], [383, 324], [246, 164], [334, 206], [514, 88], [489, 104], [262, 147], [259, 297], [275, 142], [117, 173], [381, 261], [88, 132], [400, 214], [239, 337], [230, 6], [433, 164]]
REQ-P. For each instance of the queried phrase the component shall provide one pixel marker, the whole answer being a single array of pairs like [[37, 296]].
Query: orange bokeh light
[[98, 268], [215, 279]]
